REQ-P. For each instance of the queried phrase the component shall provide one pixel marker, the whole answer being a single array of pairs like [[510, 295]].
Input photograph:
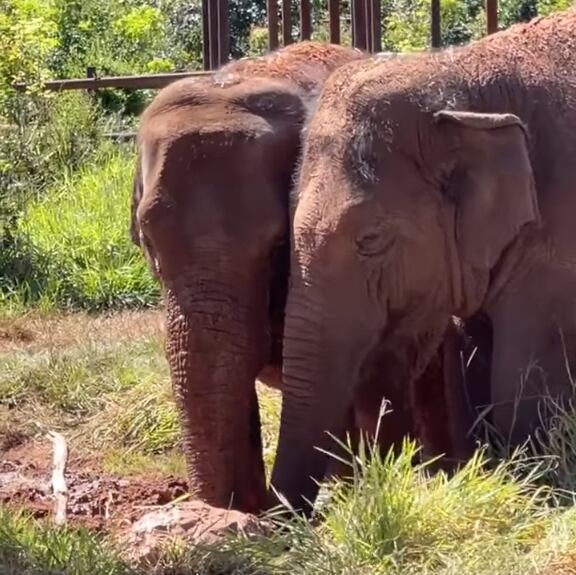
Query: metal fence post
[[491, 16], [435, 25], [272, 12]]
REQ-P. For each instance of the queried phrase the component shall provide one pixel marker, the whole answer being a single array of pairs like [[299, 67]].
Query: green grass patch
[[73, 249], [31, 548], [396, 518], [115, 395], [118, 461], [111, 396], [270, 406]]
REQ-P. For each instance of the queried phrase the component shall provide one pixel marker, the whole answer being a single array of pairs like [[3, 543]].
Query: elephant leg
[[397, 422], [337, 468], [534, 325], [459, 406]]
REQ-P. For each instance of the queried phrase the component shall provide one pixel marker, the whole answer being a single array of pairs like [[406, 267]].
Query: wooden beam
[[287, 22], [358, 24], [149, 81], [223, 32], [491, 16], [436, 31], [213, 33], [205, 36], [376, 26], [367, 7]]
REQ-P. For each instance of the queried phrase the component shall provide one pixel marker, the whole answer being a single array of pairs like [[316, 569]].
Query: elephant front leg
[[534, 357]]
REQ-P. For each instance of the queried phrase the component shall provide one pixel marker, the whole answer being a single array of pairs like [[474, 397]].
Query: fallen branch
[[59, 488]]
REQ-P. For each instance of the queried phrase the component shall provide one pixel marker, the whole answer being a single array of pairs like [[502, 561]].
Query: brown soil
[[135, 509], [98, 501]]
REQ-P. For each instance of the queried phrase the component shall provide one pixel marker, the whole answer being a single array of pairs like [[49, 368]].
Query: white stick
[[58, 482]]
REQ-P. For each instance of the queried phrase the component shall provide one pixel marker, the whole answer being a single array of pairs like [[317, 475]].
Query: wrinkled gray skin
[[443, 184]]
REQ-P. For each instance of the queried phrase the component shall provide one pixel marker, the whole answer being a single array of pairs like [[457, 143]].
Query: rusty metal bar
[[334, 20], [213, 33], [358, 24], [305, 20], [436, 31], [205, 36], [150, 81], [376, 10], [287, 22], [491, 16], [223, 32], [272, 12]]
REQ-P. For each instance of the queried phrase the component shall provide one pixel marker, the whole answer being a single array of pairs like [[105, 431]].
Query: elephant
[[436, 185], [210, 209]]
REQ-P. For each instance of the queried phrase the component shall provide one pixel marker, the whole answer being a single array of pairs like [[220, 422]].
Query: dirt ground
[[101, 502]]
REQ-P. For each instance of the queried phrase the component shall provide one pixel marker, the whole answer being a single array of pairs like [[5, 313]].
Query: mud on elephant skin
[[435, 185], [210, 209]]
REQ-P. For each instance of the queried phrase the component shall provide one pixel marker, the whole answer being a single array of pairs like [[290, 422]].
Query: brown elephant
[[215, 163], [436, 185]]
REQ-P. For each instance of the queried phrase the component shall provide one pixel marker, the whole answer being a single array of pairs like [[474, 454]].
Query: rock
[[188, 522]]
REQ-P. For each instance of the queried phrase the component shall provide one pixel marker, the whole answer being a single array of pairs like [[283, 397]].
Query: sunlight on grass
[[112, 397], [31, 548], [394, 519], [125, 463], [74, 250], [106, 395], [270, 402]]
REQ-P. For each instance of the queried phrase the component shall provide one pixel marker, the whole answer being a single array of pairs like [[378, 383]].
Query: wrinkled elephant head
[[210, 210], [405, 215]]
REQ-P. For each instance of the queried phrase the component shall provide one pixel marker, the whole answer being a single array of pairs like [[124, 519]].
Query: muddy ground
[[98, 501], [102, 502]]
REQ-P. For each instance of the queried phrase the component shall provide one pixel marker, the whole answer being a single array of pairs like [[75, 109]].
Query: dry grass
[[103, 380], [34, 331]]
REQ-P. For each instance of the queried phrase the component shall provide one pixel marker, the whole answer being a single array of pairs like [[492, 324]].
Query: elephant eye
[[374, 243]]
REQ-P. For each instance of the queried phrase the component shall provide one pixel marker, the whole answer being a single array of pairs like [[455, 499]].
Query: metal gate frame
[[366, 19]]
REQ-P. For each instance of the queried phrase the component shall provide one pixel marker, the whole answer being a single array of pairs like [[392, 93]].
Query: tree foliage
[[44, 136]]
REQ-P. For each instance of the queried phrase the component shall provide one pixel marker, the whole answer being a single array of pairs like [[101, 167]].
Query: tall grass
[[110, 397], [394, 519], [73, 249], [29, 548], [114, 396]]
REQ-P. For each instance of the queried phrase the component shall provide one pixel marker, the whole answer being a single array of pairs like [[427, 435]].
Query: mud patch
[[142, 513], [97, 501]]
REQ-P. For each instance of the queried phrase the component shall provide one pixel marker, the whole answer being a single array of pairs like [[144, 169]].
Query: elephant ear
[[278, 102], [135, 202], [492, 183]]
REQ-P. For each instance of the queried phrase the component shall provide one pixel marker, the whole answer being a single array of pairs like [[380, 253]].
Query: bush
[[73, 248], [45, 136]]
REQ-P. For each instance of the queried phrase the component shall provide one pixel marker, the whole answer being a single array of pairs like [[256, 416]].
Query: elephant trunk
[[214, 359], [316, 398]]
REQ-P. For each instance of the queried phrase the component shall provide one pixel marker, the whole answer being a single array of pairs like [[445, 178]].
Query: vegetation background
[[64, 188], [65, 252]]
